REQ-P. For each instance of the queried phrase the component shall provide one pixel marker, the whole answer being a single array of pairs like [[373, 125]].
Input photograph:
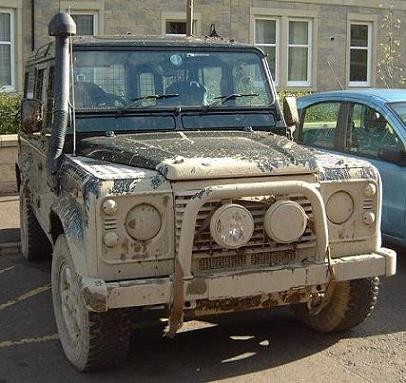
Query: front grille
[[110, 223], [259, 252]]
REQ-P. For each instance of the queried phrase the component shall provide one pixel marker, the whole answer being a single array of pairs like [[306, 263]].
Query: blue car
[[368, 123]]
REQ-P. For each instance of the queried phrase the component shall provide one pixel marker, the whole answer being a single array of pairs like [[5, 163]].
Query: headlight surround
[[339, 207], [143, 222], [232, 226]]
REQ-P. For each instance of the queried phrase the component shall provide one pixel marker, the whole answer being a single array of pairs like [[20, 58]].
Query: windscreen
[[134, 79]]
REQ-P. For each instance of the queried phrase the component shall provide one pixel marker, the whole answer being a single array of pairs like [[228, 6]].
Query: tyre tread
[[38, 245], [344, 312]]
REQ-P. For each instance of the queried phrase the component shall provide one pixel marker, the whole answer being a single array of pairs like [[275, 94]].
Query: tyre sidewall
[[76, 352]]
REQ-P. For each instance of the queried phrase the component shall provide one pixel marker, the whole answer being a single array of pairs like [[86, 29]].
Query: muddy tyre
[[350, 304], [90, 340], [34, 243]]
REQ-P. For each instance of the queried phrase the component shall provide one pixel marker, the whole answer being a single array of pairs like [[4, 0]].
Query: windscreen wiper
[[136, 101], [220, 100]]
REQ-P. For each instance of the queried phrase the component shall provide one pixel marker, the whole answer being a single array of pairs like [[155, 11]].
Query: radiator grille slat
[[110, 223], [259, 252]]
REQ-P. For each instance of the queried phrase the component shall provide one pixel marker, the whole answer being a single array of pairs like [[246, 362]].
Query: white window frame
[[11, 43], [276, 45], [180, 21], [309, 45], [95, 15], [175, 21], [180, 17], [368, 48]]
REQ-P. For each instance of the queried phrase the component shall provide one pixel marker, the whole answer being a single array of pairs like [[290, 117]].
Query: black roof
[[158, 41], [129, 40]]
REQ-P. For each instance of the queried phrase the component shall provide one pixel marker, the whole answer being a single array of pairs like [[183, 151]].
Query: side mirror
[[395, 156], [31, 116], [291, 114]]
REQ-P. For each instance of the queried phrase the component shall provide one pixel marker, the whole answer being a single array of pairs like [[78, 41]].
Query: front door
[[367, 132]]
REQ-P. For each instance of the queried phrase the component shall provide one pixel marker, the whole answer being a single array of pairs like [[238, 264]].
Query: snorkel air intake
[[62, 27]]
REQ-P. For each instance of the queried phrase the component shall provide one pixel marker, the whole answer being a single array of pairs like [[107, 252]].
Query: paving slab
[[9, 224]]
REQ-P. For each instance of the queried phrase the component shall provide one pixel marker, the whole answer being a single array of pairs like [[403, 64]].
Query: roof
[[47, 50], [378, 94], [157, 40]]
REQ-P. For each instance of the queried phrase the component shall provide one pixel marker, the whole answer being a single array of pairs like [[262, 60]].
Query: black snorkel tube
[[62, 26]]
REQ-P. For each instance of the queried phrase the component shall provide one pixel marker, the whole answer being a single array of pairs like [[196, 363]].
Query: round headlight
[[339, 207], [231, 226], [143, 222], [285, 221]]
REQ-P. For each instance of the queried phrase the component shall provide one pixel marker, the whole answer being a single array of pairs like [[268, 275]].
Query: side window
[[320, 125], [50, 98], [368, 131], [29, 84], [39, 84]]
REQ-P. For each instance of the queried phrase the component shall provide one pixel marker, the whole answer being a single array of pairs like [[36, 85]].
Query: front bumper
[[101, 296]]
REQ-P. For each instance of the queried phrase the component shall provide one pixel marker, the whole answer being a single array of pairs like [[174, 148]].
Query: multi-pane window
[[266, 37], [175, 27], [299, 52], [360, 54], [86, 23], [6, 50]]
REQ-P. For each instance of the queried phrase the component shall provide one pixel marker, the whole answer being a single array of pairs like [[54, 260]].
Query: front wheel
[[349, 304], [90, 340]]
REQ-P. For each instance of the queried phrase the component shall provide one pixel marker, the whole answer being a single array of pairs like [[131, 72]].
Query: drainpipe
[[62, 27], [189, 18], [32, 25]]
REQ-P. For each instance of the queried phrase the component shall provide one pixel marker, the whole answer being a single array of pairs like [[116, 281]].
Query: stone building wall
[[235, 19]]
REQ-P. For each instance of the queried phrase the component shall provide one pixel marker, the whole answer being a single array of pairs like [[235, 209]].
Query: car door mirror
[[31, 116], [395, 156]]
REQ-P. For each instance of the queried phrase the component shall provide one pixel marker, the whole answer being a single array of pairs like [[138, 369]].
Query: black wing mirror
[[31, 116], [395, 156]]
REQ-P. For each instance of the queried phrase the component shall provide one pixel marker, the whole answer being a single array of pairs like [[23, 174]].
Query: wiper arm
[[135, 101], [223, 99]]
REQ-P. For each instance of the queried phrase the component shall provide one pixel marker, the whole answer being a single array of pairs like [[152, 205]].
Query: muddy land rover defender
[[151, 170]]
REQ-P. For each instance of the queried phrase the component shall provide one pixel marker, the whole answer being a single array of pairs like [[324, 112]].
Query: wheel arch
[[66, 217]]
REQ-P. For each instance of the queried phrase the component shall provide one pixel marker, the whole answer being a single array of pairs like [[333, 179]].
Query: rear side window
[[29, 84], [320, 125], [39, 84]]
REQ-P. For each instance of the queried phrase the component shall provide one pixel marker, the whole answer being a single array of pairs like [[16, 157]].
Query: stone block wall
[[8, 158], [234, 19]]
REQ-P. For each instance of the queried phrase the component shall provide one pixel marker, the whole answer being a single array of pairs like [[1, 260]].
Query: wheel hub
[[69, 302]]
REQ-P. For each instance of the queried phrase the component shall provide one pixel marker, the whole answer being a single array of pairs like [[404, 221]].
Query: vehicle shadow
[[228, 346], [235, 345], [9, 235]]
